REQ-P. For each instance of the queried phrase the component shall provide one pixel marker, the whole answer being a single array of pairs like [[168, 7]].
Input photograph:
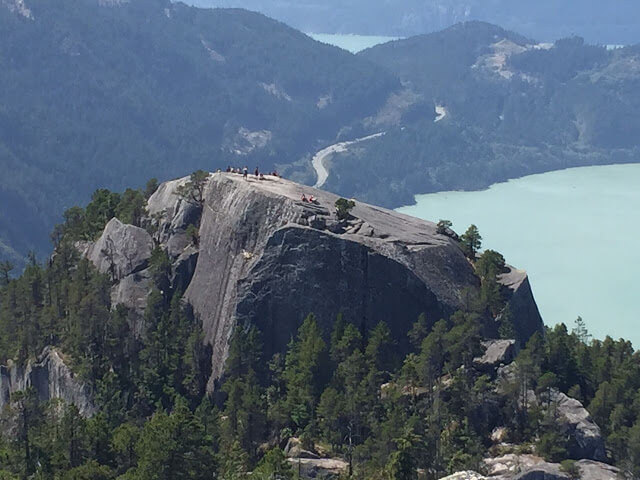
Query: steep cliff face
[[522, 305], [267, 258], [50, 378]]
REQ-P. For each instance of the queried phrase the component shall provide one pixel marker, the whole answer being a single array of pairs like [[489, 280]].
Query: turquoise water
[[575, 231], [351, 42]]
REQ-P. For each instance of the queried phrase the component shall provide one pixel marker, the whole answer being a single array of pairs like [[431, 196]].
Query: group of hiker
[[259, 175], [245, 172], [309, 199]]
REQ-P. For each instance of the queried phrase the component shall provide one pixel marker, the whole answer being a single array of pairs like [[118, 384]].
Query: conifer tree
[[303, 373], [471, 241]]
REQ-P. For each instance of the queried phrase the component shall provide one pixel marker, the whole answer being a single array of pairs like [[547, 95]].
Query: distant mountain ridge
[[107, 94], [513, 107], [617, 22], [97, 95]]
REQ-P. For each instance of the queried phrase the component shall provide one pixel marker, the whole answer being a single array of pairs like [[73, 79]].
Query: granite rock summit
[[266, 257]]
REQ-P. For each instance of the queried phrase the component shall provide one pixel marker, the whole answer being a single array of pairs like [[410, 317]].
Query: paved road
[[319, 158], [441, 112]]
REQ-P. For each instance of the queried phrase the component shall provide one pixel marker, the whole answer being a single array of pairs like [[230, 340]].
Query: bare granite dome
[[267, 258]]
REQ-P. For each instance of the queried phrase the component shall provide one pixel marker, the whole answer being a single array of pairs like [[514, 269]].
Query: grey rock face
[[184, 267], [586, 440], [172, 215], [132, 292], [497, 352], [50, 378], [268, 258], [356, 281], [589, 443], [543, 471], [121, 250], [531, 467], [321, 468], [522, 306], [466, 475], [590, 470]]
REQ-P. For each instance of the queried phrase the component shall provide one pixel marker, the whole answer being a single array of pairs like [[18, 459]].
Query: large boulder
[[295, 449], [510, 465], [320, 468], [585, 433], [532, 467], [590, 470], [121, 250], [466, 475], [50, 378], [496, 353]]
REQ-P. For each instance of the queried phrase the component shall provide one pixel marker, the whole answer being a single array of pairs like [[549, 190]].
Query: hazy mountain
[[97, 94], [509, 106], [102, 94], [616, 22]]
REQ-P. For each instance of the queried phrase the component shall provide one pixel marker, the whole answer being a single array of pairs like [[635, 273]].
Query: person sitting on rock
[[312, 199], [228, 168], [304, 198], [261, 177]]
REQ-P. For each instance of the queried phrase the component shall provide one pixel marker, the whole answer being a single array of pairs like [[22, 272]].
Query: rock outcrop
[[321, 468], [121, 250], [531, 467], [309, 464], [587, 438], [522, 306], [497, 352], [265, 257], [50, 378]]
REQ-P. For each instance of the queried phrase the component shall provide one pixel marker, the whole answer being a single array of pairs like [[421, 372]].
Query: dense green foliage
[[344, 207], [352, 395], [105, 97]]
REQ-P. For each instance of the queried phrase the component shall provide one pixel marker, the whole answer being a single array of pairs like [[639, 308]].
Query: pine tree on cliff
[[193, 191], [471, 241]]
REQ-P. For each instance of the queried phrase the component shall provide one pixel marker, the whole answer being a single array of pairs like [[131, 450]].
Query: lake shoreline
[[559, 226]]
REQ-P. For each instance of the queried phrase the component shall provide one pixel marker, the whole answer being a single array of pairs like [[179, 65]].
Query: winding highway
[[319, 158]]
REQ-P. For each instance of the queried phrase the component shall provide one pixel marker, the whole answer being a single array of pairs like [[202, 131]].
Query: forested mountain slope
[[617, 22], [102, 94], [107, 94], [340, 340], [510, 107]]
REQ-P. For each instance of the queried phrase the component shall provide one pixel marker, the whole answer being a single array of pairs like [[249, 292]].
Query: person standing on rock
[[256, 172], [245, 173]]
